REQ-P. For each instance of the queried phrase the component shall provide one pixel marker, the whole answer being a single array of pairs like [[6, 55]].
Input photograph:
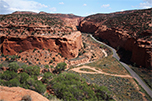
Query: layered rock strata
[[67, 45]]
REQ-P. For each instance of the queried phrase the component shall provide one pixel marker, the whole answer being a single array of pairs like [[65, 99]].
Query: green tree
[[33, 70], [13, 66], [47, 76], [31, 82], [8, 75], [69, 86], [23, 77], [39, 87], [60, 67], [13, 82]]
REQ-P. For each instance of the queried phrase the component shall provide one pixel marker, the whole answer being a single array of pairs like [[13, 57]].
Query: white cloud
[[20, 5], [53, 9], [146, 4], [61, 3], [105, 5], [84, 4], [149, 1]]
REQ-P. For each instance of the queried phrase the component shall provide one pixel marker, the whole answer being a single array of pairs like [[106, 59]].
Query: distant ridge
[[45, 13]]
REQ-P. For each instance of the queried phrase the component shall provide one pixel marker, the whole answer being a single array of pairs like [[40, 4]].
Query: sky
[[77, 7]]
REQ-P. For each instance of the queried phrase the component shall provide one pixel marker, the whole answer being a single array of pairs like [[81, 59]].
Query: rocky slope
[[18, 94], [67, 45], [130, 30], [27, 23]]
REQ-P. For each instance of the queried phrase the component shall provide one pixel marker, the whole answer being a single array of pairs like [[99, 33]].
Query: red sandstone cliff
[[67, 45], [141, 49], [125, 33]]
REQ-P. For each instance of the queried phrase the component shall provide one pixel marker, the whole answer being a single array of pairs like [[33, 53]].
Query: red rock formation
[[130, 34], [89, 27], [67, 45], [17, 93], [141, 49]]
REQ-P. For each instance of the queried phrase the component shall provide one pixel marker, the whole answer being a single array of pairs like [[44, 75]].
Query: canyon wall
[[67, 45], [140, 48]]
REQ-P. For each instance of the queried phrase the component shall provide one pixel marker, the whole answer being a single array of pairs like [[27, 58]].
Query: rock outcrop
[[67, 45], [17, 93], [89, 27]]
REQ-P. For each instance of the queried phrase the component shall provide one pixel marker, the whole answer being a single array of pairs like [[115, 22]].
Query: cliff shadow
[[125, 55]]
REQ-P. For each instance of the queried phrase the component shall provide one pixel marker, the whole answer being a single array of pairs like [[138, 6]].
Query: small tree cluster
[[60, 67]]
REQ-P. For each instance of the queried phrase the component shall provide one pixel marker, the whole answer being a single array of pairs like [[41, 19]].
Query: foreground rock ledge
[[67, 45], [16, 94]]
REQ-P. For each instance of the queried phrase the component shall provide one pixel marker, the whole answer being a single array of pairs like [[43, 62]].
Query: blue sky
[[77, 7]]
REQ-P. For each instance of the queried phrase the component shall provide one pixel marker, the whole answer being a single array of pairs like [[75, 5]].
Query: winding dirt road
[[95, 71]]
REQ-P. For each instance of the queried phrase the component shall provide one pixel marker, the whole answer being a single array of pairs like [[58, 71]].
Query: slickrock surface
[[17, 93]]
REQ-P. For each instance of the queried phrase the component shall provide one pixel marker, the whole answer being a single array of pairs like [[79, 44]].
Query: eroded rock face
[[141, 49], [67, 45], [16, 94], [88, 27]]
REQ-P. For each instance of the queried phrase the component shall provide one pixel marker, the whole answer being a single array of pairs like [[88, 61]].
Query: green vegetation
[[47, 77], [69, 86], [13, 66], [66, 86], [109, 65], [60, 67], [26, 79], [132, 21], [121, 88], [86, 69]]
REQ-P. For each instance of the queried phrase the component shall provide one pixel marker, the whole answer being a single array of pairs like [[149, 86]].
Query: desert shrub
[[14, 57], [1, 66], [34, 49], [60, 67], [47, 76], [46, 66], [13, 66], [23, 77], [8, 75], [51, 61], [102, 93], [13, 82], [24, 67], [2, 55], [6, 59], [51, 97], [26, 98], [39, 87], [32, 70], [31, 82], [84, 44], [69, 86]]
